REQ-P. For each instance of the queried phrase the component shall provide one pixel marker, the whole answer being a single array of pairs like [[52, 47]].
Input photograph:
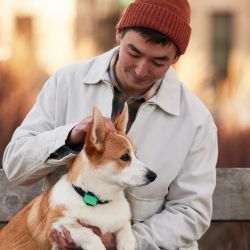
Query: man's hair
[[151, 36]]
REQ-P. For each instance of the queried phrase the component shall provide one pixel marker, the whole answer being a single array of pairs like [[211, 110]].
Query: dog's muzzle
[[151, 175]]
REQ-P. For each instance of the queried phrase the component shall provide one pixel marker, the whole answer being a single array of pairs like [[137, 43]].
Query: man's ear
[[176, 59], [98, 130], [121, 123], [118, 36]]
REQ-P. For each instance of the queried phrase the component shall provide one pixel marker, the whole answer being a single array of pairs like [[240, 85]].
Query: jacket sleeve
[[188, 208], [25, 159]]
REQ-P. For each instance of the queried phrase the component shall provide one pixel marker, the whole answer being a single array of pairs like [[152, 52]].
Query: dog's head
[[112, 156]]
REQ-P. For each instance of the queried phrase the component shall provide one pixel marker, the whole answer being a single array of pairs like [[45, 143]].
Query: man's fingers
[[63, 243], [56, 239], [109, 125], [67, 235], [82, 128], [87, 120], [96, 230], [84, 125]]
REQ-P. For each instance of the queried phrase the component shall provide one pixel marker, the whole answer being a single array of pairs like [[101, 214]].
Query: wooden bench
[[231, 200], [13, 198]]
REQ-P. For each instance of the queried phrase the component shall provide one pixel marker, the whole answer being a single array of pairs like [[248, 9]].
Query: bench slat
[[231, 199], [13, 198]]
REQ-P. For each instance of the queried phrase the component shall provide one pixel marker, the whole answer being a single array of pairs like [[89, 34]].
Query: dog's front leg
[[124, 238], [84, 237]]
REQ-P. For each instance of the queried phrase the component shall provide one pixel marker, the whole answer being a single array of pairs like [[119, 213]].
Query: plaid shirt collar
[[149, 94]]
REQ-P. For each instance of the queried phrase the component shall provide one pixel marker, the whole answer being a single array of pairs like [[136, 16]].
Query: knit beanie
[[169, 17]]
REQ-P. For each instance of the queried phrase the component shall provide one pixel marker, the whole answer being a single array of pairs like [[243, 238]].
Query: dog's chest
[[107, 217]]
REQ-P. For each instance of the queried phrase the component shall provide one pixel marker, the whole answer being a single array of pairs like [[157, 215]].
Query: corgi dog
[[91, 193]]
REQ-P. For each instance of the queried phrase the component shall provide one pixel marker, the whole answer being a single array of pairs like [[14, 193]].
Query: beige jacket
[[174, 133]]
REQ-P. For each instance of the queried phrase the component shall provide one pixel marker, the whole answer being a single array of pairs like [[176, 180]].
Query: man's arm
[[38, 147], [25, 159], [188, 207]]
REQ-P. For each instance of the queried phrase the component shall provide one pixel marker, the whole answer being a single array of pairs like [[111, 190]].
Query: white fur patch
[[108, 217]]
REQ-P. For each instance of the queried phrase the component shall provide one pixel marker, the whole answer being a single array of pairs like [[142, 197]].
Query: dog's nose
[[151, 175]]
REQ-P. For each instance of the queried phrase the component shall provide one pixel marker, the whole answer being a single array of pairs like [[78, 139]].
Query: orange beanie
[[169, 17]]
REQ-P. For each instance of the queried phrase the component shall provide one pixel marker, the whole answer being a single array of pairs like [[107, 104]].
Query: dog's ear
[[98, 130], [121, 123]]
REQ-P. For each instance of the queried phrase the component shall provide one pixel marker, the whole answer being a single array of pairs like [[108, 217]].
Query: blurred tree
[[95, 26], [125, 2], [20, 82]]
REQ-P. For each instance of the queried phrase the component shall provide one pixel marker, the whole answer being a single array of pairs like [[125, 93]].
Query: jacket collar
[[99, 67], [167, 97]]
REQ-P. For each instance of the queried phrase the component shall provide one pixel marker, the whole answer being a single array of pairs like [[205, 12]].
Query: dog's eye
[[125, 157]]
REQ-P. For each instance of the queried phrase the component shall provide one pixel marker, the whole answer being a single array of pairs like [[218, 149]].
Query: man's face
[[140, 64]]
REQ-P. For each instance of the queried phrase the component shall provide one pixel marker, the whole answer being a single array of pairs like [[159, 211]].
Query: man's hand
[[108, 239], [67, 243], [78, 133]]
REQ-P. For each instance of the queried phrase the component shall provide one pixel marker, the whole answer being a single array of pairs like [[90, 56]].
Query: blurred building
[[220, 30], [47, 27], [219, 27], [56, 32], [60, 32]]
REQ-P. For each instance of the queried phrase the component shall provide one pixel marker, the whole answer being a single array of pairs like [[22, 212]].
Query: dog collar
[[88, 197]]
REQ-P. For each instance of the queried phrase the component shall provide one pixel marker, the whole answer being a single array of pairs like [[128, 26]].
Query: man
[[174, 133]]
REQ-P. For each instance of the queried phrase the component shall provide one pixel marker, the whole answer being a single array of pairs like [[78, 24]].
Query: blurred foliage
[[125, 2], [20, 82]]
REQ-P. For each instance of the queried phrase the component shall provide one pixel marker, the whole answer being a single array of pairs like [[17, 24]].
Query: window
[[24, 27], [222, 27]]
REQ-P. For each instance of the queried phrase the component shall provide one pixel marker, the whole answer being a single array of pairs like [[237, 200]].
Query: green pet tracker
[[90, 199]]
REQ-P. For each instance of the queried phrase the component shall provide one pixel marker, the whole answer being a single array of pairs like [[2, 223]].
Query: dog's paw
[[94, 244], [55, 247], [126, 244]]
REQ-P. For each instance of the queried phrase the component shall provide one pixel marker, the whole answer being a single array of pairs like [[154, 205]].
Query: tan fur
[[31, 229], [75, 169], [121, 123], [113, 147], [98, 131]]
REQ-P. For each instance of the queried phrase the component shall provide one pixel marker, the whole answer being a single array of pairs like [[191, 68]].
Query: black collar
[[89, 198]]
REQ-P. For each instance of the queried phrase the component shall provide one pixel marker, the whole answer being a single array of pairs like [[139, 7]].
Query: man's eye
[[158, 65], [133, 55], [125, 157]]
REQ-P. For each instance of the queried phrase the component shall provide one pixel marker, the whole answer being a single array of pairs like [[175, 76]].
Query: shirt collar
[[167, 97]]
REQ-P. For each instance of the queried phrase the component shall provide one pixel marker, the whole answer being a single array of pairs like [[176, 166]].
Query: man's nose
[[141, 69]]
